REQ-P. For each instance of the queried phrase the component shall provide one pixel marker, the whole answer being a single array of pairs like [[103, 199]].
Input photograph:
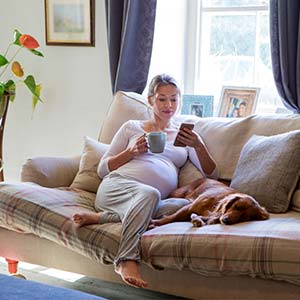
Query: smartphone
[[183, 125]]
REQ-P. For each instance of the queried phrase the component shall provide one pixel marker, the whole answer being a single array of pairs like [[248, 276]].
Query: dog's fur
[[213, 202]]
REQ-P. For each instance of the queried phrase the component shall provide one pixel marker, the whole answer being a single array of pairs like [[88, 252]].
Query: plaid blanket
[[267, 249]]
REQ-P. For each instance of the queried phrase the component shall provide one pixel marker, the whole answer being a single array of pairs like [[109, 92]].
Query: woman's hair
[[161, 79]]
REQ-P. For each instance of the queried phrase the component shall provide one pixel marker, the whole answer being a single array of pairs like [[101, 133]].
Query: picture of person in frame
[[197, 110], [237, 108]]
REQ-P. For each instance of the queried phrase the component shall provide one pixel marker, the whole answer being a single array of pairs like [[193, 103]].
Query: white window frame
[[193, 24]]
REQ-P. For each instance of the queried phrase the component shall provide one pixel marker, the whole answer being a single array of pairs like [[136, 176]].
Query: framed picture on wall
[[238, 102], [70, 22], [198, 105]]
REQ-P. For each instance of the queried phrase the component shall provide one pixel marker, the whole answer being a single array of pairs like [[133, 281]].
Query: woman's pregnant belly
[[154, 170]]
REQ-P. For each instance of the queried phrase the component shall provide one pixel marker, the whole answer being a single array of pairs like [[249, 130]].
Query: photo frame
[[198, 105], [70, 22], [238, 102]]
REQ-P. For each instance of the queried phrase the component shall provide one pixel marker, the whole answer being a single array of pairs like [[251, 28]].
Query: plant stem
[[5, 68], [7, 49]]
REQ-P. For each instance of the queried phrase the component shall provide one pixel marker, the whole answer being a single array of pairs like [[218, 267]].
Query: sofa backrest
[[129, 106], [224, 137]]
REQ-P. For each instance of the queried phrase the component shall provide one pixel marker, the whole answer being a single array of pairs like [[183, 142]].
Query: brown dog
[[213, 202]]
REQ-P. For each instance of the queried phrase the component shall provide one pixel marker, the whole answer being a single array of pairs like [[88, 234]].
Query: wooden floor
[[85, 284]]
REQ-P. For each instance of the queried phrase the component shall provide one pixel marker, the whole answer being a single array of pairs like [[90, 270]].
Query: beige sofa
[[252, 260]]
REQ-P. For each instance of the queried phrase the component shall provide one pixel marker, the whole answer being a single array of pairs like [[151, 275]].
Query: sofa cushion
[[267, 249], [125, 106], [268, 169], [188, 173], [50, 171], [249, 248], [47, 212], [225, 137], [87, 178]]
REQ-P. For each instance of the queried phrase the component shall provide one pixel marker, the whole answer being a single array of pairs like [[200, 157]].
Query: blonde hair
[[159, 80]]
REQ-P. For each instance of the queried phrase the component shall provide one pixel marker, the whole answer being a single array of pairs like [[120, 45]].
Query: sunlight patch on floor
[[67, 276]]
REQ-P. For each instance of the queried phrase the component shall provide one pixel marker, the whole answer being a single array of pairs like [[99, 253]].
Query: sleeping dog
[[213, 202]]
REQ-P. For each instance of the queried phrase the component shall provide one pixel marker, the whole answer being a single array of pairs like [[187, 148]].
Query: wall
[[76, 89]]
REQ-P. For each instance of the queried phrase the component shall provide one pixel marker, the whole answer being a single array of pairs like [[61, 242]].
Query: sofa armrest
[[50, 171]]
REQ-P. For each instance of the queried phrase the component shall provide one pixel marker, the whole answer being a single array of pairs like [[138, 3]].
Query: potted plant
[[8, 82]]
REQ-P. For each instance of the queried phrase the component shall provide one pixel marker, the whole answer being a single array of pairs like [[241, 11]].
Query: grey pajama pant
[[134, 204]]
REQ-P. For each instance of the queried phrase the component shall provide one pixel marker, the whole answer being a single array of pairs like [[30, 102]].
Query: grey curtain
[[285, 50], [130, 29]]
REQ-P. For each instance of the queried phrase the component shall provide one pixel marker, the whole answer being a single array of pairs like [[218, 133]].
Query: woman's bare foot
[[130, 273], [86, 218]]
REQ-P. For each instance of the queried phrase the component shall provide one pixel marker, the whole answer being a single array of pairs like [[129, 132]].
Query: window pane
[[228, 35], [233, 3], [235, 51]]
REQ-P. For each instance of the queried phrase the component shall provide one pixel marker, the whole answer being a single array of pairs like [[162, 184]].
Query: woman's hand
[[192, 139], [140, 146], [189, 137]]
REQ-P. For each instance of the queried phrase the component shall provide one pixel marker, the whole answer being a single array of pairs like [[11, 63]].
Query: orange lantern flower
[[17, 69], [28, 41]]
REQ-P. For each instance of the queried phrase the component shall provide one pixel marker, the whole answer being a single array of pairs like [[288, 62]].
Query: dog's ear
[[229, 202], [263, 214]]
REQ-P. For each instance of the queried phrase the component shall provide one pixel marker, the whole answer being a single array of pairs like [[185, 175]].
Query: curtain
[[285, 50], [130, 30]]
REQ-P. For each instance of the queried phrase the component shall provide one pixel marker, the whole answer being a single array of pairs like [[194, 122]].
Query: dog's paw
[[197, 220]]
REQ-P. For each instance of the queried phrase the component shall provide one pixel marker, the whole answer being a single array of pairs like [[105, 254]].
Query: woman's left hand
[[189, 137]]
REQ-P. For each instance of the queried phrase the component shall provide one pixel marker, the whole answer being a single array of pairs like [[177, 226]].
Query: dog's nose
[[225, 220]]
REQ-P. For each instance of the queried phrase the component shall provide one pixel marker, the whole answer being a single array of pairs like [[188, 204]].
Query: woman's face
[[165, 101]]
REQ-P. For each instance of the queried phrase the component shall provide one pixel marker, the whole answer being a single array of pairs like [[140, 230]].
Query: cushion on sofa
[[87, 178], [50, 171], [46, 212], [249, 248], [188, 173], [125, 106], [268, 169], [266, 249], [225, 137]]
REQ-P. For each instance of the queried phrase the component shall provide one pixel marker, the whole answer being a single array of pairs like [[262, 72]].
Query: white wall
[[76, 89]]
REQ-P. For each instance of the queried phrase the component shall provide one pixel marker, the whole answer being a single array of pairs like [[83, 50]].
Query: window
[[225, 42]]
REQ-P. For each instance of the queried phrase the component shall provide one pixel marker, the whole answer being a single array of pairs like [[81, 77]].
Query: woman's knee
[[152, 192], [151, 195]]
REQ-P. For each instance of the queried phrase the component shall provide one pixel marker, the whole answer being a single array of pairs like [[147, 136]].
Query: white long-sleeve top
[[159, 170]]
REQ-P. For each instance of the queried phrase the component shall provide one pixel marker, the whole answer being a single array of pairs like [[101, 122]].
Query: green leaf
[[9, 85], [35, 99], [2, 89], [38, 53], [30, 83], [3, 60], [11, 88], [17, 35]]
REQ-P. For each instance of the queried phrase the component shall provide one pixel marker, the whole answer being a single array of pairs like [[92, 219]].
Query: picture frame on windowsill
[[238, 102], [198, 105], [70, 22]]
